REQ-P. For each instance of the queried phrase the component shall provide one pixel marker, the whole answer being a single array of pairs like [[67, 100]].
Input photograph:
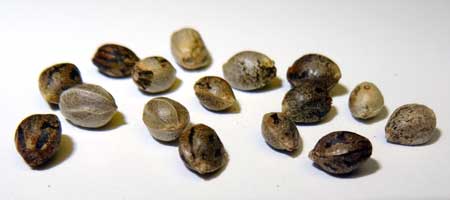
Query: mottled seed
[[37, 138], [366, 101], [280, 132], [201, 149], [341, 152], [87, 105], [114, 60], [189, 50], [165, 118], [154, 74], [57, 78], [214, 93], [411, 124], [249, 70], [314, 67], [307, 103]]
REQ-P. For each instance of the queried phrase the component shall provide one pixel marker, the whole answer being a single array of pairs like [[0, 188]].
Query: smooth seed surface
[[57, 78], [214, 93], [189, 50], [154, 74], [280, 132], [115, 60], [366, 101]]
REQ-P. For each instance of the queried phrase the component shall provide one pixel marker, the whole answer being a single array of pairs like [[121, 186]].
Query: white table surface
[[401, 46]]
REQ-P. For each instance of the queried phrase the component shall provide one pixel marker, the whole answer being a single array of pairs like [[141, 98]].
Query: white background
[[401, 46]]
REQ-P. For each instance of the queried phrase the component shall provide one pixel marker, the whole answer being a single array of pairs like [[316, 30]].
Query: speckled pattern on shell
[[314, 67], [154, 74], [38, 138], [115, 60], [189, 50], [365, 101], [249, 70], [411, 124], [57, 78], [280, 132], [165, 118], [87, 105], [214, 93], [201, 149], [341, 152]]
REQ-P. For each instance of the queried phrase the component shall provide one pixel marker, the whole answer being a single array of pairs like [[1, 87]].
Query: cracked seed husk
[[154, 74], [366, 101], [189, 50], [214, 93], [280, 132], [57, 78], [114, 60]]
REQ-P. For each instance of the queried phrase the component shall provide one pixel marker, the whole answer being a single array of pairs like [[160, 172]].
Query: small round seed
[[366, 101], [314, 67], [165, 118], [114, 60], [341, 152], [214, 93], [249, 70], [201, 149], [307, 103], [154, 74], [189, 50], [411, 124], [280, 132], [38, 138], [57, 78], [87, 105]]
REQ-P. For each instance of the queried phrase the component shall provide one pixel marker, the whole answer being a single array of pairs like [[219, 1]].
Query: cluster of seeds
[[312, 77]]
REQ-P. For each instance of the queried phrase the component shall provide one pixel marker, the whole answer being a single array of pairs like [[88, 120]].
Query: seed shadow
[[381, 116], [66, 148], [293, 154], [53, 106], [338, 90], [116, 121], [175, 86], [369, 167], [273, 85], [330, 116], [173, 143], [234, 109]]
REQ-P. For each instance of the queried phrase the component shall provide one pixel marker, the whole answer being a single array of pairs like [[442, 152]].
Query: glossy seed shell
[[154, 74], [57, 78], [280, 132], [366, 101], [214, 93], [114, 60], [189, 50]]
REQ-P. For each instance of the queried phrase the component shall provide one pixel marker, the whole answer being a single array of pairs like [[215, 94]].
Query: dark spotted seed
[[37, 138], [341, 152], [201, 149], [280, 132], [154, 74], [214, 93], [57, 78], [114, 60]]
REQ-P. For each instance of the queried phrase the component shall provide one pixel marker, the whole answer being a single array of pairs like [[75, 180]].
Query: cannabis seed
[[249, 70], [201, 149], [87, 105], [165, 118], [57, 78], [280, 132], [114, 60], [307, 103], [37, 138], [154, 74], [366, 101], [189, 50], [341, 152], [314, 67], [411, 124], [214, 93]]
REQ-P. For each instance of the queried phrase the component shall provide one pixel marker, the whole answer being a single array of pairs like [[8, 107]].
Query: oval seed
[[341, 152], [87, 105], [411, 124], [314, 67], [307, 103], [165, 118], [366, 101], [189, 50], [57, 78], [249, 70], [114, 60], [214, 93], [38, 138], [154, 74], [280, 132], [201, 149]]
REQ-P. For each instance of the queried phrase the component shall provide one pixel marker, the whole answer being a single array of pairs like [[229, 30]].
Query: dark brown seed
[[37, 138], [314, 67], [114, 60], [214, 93], [411, 124], [341, 152], [201, 149], [280, 132], [307, 103], [57, 78]]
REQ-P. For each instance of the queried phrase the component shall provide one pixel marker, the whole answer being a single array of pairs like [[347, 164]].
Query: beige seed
[[189, 49], [366, 101], [154, 74]]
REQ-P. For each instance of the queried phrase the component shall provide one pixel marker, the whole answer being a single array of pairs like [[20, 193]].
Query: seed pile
[[311, 76]]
